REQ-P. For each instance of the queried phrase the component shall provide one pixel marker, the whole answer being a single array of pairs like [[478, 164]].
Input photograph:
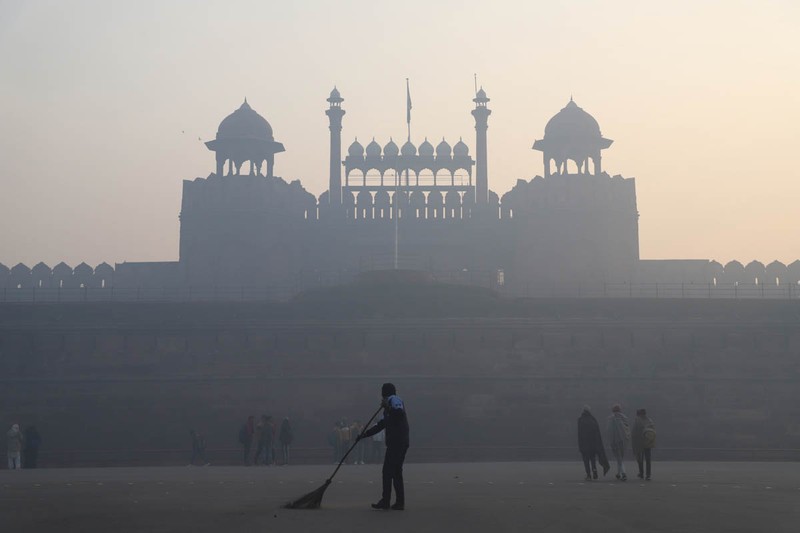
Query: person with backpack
[[643, 440], [619, 433], [590, 444]]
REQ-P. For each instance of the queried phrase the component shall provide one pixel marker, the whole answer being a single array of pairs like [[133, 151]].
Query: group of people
[[23, 447], [344, 434], [642, 438], [262, 436]]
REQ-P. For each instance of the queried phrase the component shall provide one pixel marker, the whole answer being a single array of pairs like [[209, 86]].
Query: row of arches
[[419, 204], [62, 276], [755, 273]]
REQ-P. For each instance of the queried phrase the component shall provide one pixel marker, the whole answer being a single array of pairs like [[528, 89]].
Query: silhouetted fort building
[[242, 226], [576, 223]]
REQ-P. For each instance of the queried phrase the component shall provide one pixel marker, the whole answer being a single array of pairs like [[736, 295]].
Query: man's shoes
[[588, 477], [594, 474], [399, 506], [381, 505], [647, 478], [640, 476], [618, 476], [623, 477]]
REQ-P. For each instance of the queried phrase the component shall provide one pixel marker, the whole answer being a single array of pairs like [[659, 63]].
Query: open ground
[[496, 497]]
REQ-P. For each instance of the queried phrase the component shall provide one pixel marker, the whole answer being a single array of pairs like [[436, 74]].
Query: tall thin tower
[[335, 114], [481, 114]]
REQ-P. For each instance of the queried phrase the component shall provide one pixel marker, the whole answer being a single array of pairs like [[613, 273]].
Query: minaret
[[335, 114], [481, 114]]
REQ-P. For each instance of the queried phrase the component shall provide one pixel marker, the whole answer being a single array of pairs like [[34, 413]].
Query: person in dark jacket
[[590, 444], [395, 423], [31, 451]]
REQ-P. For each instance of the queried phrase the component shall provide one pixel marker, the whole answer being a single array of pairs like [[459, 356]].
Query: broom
[[313, 499]]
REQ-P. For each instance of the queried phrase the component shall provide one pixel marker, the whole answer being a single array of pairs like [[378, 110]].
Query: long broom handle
[[366, 426]]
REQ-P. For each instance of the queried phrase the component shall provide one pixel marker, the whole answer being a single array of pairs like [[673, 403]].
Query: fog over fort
[[106, 107]]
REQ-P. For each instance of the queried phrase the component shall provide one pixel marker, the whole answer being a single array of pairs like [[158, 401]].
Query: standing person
[[259, 437], [285, 437], [643, 440], [590, 444], [355, 431], [395, 422], [377, 447], [14, 442], [246, 437], [198, 448], [32, 441], [619, 433]]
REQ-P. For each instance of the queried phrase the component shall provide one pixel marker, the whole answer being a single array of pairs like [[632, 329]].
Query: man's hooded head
[[388, 389]]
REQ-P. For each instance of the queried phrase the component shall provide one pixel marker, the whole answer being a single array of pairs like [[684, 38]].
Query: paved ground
[[492, 497]]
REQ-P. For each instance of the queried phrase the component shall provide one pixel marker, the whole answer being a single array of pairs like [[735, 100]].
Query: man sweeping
[[395, 422]]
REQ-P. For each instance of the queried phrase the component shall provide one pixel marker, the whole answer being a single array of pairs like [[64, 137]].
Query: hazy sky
[[102, 104]]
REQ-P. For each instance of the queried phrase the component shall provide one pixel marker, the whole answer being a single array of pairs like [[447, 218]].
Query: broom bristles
[[312, 500]]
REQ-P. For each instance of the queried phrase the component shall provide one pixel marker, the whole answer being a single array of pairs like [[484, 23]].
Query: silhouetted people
[[14, 441], [246, 438], [619, 433], [395, 423], [265, 436], [590, 444], [285, 436], [198, 448], [643, 440], [33, 440]]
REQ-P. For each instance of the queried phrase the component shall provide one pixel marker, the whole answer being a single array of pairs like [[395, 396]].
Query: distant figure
[[395, 422], [32, 441], [198, 448], [265, 436], [246, 437], [377, 447], [285, 437], [333, 441], [590, 444], [14, 440], [619, 433], [355, 430], [258, 438], [643, 440]]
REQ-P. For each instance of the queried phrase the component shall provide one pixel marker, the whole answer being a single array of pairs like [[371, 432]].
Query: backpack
[[649, 437]]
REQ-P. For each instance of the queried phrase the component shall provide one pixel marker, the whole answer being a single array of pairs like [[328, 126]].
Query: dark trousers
[[587, 459], [644, 458], [31, 458], [198, 453], [266, 447], [393, 474], [246, 454]]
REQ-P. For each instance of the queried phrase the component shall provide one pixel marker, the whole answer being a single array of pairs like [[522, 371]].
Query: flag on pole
[[408, 102]]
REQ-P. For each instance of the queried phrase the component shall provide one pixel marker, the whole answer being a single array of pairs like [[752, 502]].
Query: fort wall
[[718, 382]]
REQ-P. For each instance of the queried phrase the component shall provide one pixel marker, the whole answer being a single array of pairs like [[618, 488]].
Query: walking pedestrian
[[395, 423], [14, 442], [285, 437], [33, 440], [590, 444], [619, 433], [643, 440]]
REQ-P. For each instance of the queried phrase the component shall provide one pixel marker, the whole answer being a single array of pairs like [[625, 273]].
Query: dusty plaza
[[498, 497]]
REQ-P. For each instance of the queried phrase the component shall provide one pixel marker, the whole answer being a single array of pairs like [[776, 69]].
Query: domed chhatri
[[391, 149], [572, 135], [245, 123], [408, 149], [356, 150], [243, 136], [443, 149], [460, 149], [426, 148], [373, 149]]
